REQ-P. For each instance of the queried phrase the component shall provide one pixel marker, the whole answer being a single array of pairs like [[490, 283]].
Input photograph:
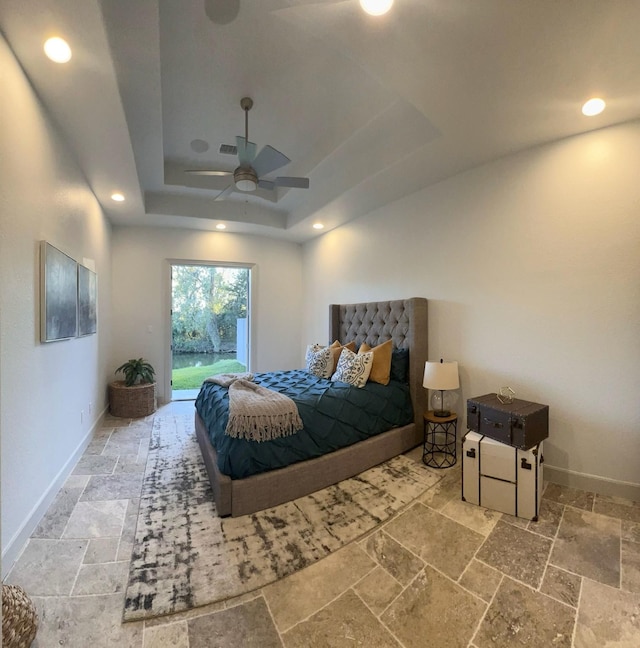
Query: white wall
[[532, 268], [43, 387], [141, 293]]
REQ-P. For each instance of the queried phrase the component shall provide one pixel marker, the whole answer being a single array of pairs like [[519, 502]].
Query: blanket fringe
[[264, 427], [257, 413]]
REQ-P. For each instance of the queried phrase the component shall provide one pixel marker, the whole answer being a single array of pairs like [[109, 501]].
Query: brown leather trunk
[[521, 424]]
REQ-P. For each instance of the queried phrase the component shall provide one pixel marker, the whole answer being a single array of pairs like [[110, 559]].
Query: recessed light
[[221, 226], [318, 226], [376, 7], [57, 49], [118, 197], [593, 107]]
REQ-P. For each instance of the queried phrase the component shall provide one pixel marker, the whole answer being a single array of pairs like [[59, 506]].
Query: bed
[[402, 321]]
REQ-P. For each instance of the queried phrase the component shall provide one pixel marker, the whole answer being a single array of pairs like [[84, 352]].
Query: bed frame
[[403, 321]]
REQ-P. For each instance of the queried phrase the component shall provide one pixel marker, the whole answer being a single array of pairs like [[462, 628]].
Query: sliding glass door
[[209, 324]]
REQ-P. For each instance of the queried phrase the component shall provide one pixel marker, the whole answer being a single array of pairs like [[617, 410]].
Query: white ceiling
[[369, 109]]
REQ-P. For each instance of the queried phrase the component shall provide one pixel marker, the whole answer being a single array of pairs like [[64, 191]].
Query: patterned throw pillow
[[353, 368], [319, 361], [336, 350]]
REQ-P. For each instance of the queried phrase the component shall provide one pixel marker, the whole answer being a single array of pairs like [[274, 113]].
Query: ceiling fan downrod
[[246, 103], [244, 176]]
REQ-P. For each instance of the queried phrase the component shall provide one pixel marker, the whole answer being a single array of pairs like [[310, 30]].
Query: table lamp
[[441, 377]]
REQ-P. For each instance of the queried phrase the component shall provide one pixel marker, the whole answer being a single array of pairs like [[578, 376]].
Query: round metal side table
[[439, 449]]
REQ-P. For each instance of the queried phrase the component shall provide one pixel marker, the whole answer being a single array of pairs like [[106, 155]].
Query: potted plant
[[135, 396]]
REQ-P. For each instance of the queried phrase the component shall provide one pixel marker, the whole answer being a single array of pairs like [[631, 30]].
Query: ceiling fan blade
[[208, 172], [225, 192], [296, 183], [246, 151], [266, 184], [269, 160]]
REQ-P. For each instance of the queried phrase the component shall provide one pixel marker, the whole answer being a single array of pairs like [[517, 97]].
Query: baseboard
[[15, 546], [592, 483]]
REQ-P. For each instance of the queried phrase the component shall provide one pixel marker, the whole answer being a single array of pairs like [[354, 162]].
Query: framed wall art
[[58, 294], [87, 287]]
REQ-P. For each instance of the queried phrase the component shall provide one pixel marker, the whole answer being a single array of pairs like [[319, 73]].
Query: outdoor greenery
[[207, 302], [137, 372], [192, 377]]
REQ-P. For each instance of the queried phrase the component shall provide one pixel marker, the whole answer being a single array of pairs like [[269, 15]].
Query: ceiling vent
[[228, 149]]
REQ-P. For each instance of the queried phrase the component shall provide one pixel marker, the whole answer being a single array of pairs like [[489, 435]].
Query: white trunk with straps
[[501, 477]]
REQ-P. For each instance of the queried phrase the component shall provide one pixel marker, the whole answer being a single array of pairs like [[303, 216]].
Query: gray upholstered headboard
[[403, 320]]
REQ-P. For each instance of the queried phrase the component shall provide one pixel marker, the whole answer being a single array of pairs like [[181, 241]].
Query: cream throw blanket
[[225, 379], [257, 413]]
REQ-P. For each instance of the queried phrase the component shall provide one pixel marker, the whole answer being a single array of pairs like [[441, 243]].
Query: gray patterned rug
[[185, 556]]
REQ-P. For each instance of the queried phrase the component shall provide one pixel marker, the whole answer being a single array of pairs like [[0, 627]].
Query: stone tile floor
[[441, 573]]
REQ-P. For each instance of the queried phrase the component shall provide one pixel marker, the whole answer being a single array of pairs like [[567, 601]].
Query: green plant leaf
[[137, 371]]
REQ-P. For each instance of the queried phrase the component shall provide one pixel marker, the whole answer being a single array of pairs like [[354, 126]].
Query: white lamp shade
[[441, 375]]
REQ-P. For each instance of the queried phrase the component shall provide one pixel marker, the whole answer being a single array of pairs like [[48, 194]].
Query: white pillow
[[353, 368], [319, 360]]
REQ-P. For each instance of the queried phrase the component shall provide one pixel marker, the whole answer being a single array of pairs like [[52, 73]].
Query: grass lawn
[[192, 377]]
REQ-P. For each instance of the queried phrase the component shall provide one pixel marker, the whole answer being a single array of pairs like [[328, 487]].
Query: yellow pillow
[[381, 369], [336, 350]]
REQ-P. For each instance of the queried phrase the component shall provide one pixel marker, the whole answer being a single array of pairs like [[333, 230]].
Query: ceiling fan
[[248, 176]]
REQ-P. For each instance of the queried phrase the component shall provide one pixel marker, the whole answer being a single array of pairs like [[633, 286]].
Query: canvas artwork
[[59, 294], [86, 301]]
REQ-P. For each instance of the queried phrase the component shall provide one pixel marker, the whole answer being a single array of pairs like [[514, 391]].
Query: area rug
[[185, 556]]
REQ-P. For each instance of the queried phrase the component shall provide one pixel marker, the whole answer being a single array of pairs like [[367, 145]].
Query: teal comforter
[[334, 414]]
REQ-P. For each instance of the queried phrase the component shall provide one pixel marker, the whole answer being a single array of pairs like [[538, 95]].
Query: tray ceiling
[[369, 109]]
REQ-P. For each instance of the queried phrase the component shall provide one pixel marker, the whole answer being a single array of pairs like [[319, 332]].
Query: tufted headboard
[[403, 320]]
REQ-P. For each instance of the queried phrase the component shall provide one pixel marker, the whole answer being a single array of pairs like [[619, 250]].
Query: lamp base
[[442, 403]]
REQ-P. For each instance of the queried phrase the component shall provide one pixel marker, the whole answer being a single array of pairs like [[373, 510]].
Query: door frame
[[168, 289]]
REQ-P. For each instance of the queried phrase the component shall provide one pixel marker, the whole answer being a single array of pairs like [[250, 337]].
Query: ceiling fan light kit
[[245, 179], [248, 176]]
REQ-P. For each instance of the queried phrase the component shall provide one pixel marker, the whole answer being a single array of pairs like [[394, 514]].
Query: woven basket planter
[[132, 402], [19, 618]]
